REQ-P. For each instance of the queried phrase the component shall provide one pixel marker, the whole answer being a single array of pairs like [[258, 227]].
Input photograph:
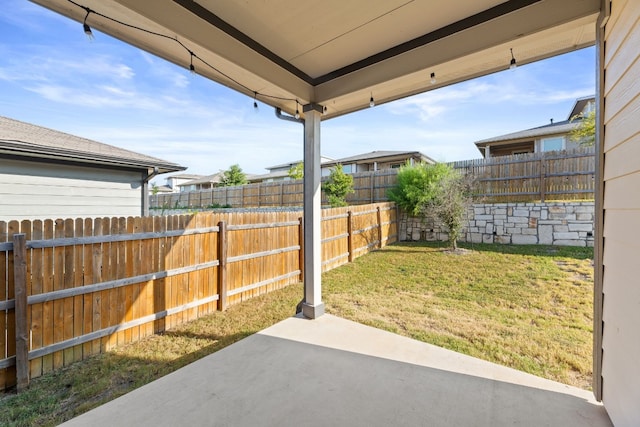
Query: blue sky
[[53, 76]]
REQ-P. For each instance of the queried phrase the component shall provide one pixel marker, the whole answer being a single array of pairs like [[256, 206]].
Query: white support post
[[312, 306]]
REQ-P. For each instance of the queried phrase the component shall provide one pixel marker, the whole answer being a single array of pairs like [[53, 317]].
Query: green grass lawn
[[527, 307]]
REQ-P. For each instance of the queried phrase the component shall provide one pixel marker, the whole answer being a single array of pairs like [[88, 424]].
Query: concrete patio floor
[[334, 372]]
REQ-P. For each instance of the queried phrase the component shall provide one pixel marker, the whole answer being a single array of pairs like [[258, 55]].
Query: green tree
[[337, 186], [434, 189], [233, 176], [417, 186], [296, 171], [451, 202], [154, 188], [585, 133]]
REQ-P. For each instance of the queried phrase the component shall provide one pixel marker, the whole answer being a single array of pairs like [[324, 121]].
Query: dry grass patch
[[527, 307], [64, 394]]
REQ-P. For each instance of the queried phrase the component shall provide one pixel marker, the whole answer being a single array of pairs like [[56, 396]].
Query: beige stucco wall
[[621, 210]]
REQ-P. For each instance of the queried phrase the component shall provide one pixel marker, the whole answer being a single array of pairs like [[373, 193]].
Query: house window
[[396, 166], [552, 144], [347, 168]]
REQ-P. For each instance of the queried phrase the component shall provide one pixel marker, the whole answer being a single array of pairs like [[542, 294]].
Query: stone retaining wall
[[550, 223]]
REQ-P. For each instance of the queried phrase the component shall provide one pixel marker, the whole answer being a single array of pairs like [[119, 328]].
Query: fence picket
[[36, 309], [87, 299], [3, 297]]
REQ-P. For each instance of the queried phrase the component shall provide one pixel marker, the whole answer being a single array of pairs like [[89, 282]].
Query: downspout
[[145, 190], [287, 118]]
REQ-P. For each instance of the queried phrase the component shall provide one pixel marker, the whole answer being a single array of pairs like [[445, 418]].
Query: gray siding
[[33, 190], [621, 210]]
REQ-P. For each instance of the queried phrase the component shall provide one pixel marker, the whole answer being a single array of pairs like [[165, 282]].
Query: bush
[[438, 189], [417, 186], [337, 186]]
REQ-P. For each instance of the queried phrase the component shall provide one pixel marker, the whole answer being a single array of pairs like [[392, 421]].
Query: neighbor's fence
[[369, 187], [564, 175], [556, 175], [70, 289]]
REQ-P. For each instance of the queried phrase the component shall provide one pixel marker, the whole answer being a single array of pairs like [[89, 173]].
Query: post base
[[312, 311]]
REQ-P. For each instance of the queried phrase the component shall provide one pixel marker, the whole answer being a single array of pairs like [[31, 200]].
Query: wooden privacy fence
[[369, 187], [70, 289], [555, 175], [558, 175]]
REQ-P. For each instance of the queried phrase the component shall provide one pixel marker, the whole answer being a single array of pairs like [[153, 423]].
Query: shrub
[[337, 186], [417, 186], [438, 189]]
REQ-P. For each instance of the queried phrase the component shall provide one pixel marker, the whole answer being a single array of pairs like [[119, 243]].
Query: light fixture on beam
[[192, 68], [297, 115], [372, 103], [255, 102], [433, 78], [512, 64], [86, 27]]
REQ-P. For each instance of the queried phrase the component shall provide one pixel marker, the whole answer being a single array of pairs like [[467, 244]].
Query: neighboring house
[[373, 161], [174, 182], [280, 172], [376, 160], [159, 189], [201, 183], [551, 137], [46, 174], [208, 182]]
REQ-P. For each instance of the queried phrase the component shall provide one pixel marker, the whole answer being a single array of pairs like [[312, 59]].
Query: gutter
[[151, 175]]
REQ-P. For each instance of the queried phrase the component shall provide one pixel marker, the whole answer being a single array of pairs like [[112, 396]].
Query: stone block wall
[[548, 223]]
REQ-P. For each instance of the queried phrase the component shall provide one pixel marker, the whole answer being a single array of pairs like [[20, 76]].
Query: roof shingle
[[25, 139]]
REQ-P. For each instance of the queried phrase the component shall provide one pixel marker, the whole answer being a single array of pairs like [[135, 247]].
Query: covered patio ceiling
[[336, 53]]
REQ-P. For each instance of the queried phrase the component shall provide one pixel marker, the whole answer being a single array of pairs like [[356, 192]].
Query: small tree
[[585, 133], [296, 171], [451, 202], [337, 186], [233, 176], [154, 188], [437, 189]]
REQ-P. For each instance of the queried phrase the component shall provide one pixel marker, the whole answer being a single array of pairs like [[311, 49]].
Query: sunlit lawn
[[527, 307]]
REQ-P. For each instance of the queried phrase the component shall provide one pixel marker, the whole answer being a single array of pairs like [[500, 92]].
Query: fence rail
[[70, 289], [519, 178]]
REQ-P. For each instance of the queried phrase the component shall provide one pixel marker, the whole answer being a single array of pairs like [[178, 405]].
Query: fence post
[[301, 251], [259, 196], [282, 193], [350, 235], [222, 267], [398, 223], [379, 215], [543, 181], [22, 334], [372, 186]]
